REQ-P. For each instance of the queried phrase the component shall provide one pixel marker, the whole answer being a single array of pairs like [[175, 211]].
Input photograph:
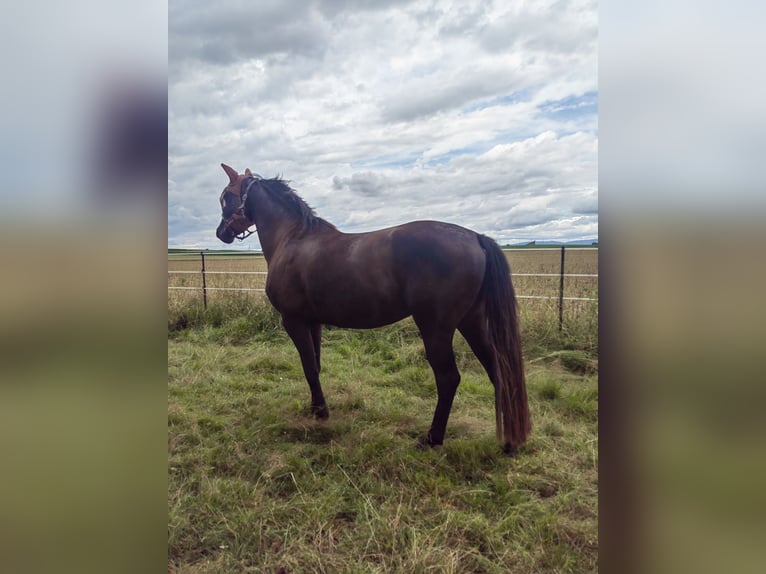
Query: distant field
[[521, 260]]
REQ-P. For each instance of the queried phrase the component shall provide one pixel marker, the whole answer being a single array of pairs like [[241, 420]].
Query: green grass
[[539, 317], [257, 485]]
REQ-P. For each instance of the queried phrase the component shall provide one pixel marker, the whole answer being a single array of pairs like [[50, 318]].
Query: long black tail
[[511, 408]]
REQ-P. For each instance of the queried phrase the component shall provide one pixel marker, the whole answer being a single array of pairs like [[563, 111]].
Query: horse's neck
[[272, 237], [274, 227]]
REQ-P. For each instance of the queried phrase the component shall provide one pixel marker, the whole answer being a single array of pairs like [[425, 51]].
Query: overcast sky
[[481, 113]]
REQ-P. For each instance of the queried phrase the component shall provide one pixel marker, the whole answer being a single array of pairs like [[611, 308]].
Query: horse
[[444, 276]]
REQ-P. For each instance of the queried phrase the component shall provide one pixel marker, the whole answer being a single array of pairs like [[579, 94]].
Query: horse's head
[[234, 222]]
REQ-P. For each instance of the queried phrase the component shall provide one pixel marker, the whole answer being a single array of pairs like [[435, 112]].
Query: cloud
[[230, 31], [587, 204], [364, 183], [437, 118]]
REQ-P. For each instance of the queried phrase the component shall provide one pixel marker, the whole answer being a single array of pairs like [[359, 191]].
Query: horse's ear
[[248, 172], [231, 172]]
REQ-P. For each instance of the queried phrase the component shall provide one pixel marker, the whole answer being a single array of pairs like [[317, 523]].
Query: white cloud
[[480, 113]]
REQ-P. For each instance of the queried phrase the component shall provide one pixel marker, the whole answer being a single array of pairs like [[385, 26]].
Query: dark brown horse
[[447, 277]]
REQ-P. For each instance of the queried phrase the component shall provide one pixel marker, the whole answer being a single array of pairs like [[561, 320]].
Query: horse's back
[[436, 245]]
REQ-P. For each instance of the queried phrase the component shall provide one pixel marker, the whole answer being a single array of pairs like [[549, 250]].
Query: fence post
[[561, 292], [204, 283]]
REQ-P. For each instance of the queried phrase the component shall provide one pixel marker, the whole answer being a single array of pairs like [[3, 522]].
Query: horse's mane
[[284, 196]]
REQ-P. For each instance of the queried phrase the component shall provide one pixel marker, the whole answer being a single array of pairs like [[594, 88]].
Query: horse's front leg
[[438, 344], [303, 335]]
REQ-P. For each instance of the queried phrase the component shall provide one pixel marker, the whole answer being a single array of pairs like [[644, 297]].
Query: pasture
[[580, 317], [257, 485]]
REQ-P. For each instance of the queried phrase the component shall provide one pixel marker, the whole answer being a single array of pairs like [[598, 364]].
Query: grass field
[[580, 317], [257, 485]]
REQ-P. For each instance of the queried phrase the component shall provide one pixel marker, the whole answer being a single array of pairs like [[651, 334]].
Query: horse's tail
[[511, 408]]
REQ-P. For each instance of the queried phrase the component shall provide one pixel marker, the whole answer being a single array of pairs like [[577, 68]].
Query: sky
[[378, 112]]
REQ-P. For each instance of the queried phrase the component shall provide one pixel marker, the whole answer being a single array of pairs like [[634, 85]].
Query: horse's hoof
[[426, 441], [510, 450], [321, 412]]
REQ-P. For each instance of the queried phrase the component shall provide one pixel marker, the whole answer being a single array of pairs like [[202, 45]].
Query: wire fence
[[562, 275]]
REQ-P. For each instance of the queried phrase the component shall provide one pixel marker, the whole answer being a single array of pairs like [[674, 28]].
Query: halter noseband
[[239, 213]]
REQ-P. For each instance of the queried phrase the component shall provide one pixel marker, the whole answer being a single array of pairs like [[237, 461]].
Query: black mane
[[284, 196]]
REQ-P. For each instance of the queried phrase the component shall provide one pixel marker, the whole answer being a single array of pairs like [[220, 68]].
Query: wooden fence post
[[561, 292], [204, 283]]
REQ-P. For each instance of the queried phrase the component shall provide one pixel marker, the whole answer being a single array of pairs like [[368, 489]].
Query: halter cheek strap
[[243, 196], [240, 212]]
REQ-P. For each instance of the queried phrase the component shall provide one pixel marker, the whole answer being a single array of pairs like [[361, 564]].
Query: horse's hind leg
[[302, 335], [316, 339], [441, 357], [473, 327]]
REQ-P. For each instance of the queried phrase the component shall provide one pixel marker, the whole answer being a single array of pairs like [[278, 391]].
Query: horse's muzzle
[[224, 233]]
